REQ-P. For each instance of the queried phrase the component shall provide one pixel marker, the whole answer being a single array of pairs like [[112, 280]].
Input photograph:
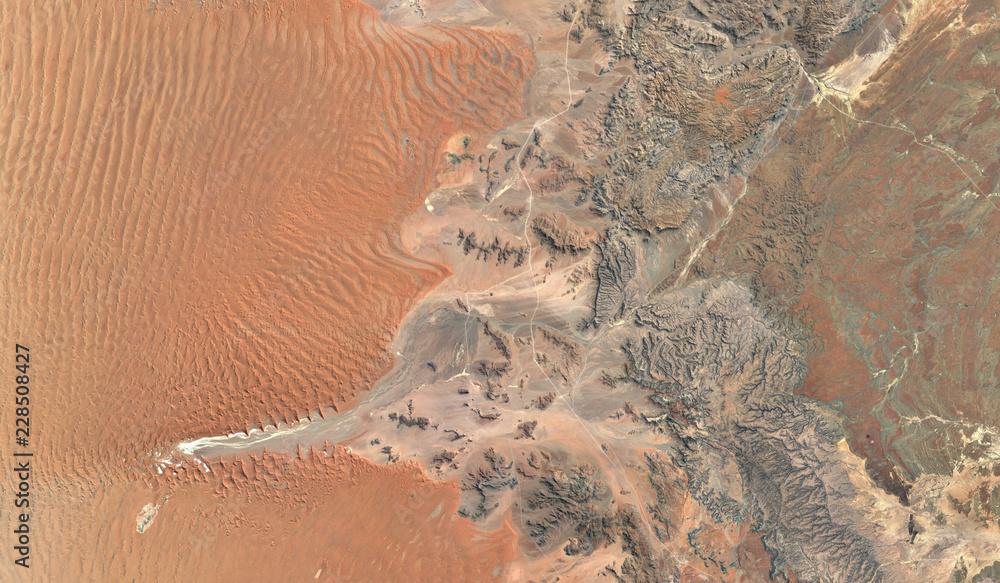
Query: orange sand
[[200, 205], [269, 519], [199, 208]]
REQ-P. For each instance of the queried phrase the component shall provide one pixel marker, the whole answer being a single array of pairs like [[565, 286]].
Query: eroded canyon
[[498, 291]]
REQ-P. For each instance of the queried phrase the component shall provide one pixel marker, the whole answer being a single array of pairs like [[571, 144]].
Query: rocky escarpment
[[709, 91], [726, 379]]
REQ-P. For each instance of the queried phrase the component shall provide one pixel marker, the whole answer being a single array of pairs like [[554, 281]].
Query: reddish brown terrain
[[209, 199], [443, 290], [874, 222], [272, 518], [198, 218]]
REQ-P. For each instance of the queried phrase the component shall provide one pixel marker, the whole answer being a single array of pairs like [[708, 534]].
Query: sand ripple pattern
[[199, 203], [199, 206]]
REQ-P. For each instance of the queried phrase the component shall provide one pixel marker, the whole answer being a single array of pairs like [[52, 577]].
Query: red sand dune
[[199, 208], [279, 519], [200, 201]]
